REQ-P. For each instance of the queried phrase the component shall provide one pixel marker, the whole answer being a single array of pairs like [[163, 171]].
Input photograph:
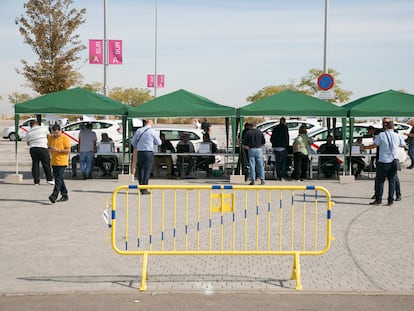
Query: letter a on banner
[[115, 52], [150, 81], [160, 81], [96, 52]]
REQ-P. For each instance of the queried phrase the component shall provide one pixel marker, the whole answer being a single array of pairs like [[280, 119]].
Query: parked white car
[[10, 132], [112, 127]]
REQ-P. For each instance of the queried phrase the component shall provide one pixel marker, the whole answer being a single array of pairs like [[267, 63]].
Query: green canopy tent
[[389, 103], [384, 104], [73, 101], [180, 103], [290, 103]]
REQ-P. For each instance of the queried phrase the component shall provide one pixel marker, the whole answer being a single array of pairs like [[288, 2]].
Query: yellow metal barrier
[[221, 220]]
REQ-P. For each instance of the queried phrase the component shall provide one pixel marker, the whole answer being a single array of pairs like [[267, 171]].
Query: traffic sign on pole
[[325, 82]]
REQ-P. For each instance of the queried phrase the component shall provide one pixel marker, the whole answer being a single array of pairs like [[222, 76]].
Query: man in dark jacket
[[280, 144], [253, 141]]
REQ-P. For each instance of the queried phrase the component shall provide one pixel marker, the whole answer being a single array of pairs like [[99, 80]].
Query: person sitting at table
[[185, 146], [203, 162], [356, 160], [165, 147], [106, 161], [328, 164]]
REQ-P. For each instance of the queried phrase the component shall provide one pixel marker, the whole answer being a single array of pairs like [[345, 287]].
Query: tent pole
[[16, 130]]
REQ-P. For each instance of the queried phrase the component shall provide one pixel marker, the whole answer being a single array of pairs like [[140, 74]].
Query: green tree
[[130, 96], [96, 87], [49, 26], [309, 85], [271, 90], [17, 98]]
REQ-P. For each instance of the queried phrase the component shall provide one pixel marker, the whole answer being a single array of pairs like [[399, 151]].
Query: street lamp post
[[325, 69], [155, 50], [105, 52]]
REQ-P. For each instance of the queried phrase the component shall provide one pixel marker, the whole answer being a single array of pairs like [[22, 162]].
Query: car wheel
[[12, 136]]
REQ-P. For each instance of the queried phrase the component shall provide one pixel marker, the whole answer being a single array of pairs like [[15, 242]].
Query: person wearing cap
[[87, 149]]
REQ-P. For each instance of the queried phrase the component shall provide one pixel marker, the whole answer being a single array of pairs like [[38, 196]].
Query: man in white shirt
[[388, 142], [36, 138], [143, 142]]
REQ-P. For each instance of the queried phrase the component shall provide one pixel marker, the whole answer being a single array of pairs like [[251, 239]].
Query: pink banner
[[160, 81], [96, 52], [115, 52], [150, 81]]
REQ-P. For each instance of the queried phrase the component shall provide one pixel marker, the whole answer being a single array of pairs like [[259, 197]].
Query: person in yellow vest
[[59, 148]]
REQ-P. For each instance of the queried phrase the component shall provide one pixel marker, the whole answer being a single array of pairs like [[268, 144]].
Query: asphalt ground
[[57, 257]]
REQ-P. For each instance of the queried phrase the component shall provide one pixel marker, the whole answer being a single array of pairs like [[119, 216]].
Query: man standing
[[253, 142], [388, 141], [59, 147], [280, 144], [397, 188], [36, 138], [87, 148], [410, 141], [205, 126], [143, 142]]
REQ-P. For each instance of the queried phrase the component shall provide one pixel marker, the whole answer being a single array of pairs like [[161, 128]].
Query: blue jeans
[[58, 172], [281, 163], [256, 158], [144, 166], [385, 170], [85, 162], [411, 154]]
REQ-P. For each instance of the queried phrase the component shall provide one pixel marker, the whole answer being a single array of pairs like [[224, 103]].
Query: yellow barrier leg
[[296, 271], [144, 273]]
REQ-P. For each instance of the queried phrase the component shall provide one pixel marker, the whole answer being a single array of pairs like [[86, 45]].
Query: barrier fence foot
[[296, 271], [144, 278]]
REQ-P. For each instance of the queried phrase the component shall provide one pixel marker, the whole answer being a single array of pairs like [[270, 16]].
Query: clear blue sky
[[229, 49]]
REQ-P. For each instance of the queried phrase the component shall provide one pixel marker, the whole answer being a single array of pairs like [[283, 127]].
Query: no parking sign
[[325, 82]]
